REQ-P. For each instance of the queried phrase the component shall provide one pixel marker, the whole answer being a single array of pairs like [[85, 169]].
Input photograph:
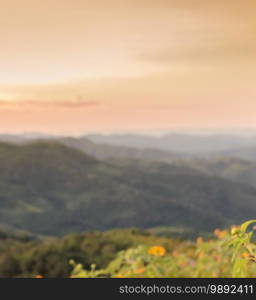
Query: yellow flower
[[245, 254], [217, 232], [157, 251], [120, 276], [139, 271], [218, 258], [199, 240], [234, 229], [220, 233]]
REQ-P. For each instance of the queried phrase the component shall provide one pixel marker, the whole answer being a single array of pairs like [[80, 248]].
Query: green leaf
[[239, 269], [237, 249], [245, 225]]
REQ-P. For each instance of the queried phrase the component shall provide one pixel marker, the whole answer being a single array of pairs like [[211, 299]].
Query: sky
[[77, 66]]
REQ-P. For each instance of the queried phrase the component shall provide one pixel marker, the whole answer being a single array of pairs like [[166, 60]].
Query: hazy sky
[[74, 66]]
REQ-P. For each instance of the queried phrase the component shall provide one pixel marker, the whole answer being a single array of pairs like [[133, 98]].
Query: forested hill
[[49, 188]]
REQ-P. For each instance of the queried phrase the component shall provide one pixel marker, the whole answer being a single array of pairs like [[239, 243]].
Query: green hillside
[[24, 256], [51, 189], [235, 169]]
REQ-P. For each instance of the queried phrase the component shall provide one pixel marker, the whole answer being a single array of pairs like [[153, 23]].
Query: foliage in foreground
[[28, 256], [130, 253], [231, 254]]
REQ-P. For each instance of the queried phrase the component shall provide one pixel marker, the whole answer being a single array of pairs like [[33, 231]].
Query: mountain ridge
[[52, 189]]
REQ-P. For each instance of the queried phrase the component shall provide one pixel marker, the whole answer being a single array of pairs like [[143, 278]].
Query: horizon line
[[236, 131]]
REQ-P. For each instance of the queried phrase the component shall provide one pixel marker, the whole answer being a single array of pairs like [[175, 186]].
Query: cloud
[[203, 49], [78, 103]]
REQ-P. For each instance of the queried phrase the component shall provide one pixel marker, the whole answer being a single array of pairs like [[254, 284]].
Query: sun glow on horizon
[[88, 65]]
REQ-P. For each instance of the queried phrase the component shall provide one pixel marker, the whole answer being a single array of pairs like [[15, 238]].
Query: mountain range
[[50, 188], [180, 143]]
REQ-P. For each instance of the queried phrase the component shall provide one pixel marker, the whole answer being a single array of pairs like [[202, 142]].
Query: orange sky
[[78, 66]]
